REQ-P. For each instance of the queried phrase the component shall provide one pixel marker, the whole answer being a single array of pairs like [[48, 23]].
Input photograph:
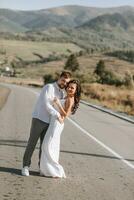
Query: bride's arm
[[66, 111]]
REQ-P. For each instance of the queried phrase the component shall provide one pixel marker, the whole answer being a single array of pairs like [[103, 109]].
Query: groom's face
[[62, 82]]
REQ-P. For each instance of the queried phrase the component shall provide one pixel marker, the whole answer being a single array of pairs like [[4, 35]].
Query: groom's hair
[[66, 74]]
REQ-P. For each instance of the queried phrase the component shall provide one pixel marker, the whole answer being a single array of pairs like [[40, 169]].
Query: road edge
[[107, 111]]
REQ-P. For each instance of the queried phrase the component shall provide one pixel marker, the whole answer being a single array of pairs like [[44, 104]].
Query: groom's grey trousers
[[38, 130]]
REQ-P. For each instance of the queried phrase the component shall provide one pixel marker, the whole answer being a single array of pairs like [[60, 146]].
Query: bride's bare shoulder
[[69, 101]]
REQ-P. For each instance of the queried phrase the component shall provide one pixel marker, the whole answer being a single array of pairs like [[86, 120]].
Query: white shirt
[[43, 108]]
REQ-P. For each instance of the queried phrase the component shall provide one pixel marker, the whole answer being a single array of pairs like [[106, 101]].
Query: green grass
[[37, 71], [25, 49]]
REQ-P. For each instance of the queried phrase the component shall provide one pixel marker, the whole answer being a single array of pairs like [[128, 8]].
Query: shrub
[[48, 78], [85, 78], [128, 80]]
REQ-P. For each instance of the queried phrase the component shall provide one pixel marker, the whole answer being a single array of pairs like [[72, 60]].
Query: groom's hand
[[56, 101], [61, 119]]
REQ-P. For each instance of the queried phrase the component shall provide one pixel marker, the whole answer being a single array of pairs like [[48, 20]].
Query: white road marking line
[[102, 144], [96, 140]]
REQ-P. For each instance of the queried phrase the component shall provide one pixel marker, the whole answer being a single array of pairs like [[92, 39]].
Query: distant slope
[[110, 21], [90, 28], [65, 16], [7, 25], [17, 16], [109, 30]]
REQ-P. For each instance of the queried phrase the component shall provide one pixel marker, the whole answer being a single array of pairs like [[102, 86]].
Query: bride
[[49, 162]]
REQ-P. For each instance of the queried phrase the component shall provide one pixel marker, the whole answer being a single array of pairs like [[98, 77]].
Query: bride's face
[[71, 89]]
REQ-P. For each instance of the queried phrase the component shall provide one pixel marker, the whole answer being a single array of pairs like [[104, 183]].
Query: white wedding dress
[[49, 162]]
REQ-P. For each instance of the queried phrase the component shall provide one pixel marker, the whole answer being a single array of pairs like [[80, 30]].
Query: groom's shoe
[[25, 171]]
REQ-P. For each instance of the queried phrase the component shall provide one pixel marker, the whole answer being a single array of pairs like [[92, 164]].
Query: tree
[[100, 68], [106, 76], [72, 63]]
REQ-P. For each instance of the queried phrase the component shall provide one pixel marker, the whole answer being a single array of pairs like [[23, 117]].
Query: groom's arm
[[48, 91]]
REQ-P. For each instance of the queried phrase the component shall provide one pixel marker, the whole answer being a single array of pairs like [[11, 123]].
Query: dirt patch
[[4, 92]]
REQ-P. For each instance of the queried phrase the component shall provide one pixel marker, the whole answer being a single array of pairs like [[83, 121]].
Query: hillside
[[110, 31], [110, 21], [7, 25], [89, 28], [107, 21], [65, 16]]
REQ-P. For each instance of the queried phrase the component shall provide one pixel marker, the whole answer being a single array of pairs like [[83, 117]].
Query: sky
[[42, 4]]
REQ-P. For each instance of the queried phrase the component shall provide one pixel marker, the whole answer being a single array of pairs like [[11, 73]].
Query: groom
[[41, 116]]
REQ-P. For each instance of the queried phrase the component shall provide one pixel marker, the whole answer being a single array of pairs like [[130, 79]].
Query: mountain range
[[101, 26], [66, 16]]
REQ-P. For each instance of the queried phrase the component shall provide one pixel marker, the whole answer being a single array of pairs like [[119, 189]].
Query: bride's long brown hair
[[77, 94]]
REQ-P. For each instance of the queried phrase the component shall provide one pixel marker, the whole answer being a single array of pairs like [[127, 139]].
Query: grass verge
[[4, 92]]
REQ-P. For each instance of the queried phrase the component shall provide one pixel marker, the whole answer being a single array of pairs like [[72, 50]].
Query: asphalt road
[[97, 152]]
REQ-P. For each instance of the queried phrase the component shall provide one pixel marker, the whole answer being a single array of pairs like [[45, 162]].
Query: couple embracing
[[57, 101]]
